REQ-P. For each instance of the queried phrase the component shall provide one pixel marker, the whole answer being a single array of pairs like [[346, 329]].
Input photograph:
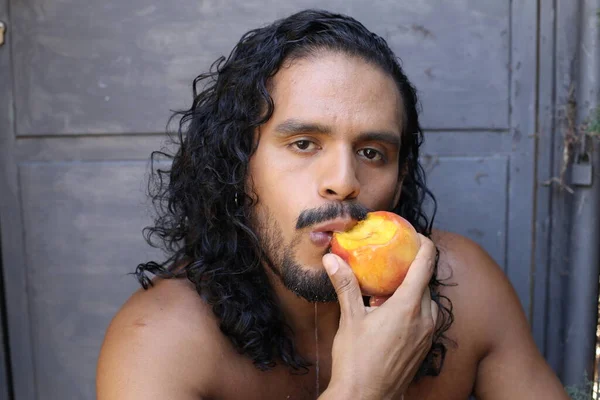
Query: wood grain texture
[[520, 266], [15, 286], [472, 199], [120, 67], [83, 223]]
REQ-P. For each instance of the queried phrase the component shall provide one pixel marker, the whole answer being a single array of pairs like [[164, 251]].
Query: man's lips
[[321, 239], [322, 234]]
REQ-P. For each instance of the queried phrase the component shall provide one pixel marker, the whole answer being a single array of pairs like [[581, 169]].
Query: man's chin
[[322, 297], [314, 293], [308, 282]]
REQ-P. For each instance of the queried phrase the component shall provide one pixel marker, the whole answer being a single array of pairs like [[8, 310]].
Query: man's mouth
[[322, 234], [321, 238]]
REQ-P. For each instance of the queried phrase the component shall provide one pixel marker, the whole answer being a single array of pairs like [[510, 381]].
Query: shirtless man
[[307, 125]]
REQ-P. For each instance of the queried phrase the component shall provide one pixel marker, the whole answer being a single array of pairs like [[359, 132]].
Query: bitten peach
[[379, 249]]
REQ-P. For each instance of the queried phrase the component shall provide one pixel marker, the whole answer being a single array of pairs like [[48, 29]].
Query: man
[[308, 125]]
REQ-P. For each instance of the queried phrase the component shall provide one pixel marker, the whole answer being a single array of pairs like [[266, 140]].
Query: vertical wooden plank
[[545, 136], [521, 198], [11, 232], [565, 53], [4, 367], [584, 245]]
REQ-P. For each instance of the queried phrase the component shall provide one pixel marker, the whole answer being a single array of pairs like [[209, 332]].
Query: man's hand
[[377, 350]]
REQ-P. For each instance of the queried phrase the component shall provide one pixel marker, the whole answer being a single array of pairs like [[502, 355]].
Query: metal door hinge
[[2, 32]]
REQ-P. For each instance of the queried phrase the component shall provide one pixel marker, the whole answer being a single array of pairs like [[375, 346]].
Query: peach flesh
[[380, 250]]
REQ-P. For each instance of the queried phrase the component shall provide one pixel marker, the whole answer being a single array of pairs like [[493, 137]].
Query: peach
[[379, 249]]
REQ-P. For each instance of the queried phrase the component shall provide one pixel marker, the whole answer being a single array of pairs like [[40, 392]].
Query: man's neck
[[309, 321]]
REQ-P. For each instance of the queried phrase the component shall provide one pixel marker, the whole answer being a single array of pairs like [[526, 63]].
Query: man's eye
[[302, 144], [370, 154]]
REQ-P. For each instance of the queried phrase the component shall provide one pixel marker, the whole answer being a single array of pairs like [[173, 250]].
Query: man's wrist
[[343, 391], [337, 393]]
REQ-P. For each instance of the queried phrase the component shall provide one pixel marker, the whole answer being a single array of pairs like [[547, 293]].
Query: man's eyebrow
[[386, 137], [293, 126]]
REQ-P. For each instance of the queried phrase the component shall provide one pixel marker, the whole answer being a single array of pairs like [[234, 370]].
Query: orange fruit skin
[[380, 250]]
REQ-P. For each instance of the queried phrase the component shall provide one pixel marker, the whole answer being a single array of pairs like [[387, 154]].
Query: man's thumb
[[331, 262], [345, 284]]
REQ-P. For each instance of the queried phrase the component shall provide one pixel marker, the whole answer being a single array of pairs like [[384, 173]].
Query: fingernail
[[331, 263]]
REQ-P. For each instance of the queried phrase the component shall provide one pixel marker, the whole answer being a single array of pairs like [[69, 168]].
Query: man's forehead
[[335, 88]]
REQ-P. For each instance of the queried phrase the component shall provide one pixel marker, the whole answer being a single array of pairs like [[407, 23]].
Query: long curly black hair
[[201, 200]]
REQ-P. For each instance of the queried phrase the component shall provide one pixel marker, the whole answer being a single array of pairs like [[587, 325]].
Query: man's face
[[328, 154]]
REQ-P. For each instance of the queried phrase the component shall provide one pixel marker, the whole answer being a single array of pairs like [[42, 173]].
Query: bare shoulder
[[478, 288], [163, 343], [488, 314], [461, 256], [470, 268]]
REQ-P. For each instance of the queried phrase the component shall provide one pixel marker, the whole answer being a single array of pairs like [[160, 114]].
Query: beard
[[311, 285]]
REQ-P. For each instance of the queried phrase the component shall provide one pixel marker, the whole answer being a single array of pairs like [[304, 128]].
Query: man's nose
[[339, 179]]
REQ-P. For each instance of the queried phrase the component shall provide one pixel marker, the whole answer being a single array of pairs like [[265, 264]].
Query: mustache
[[331, 211]]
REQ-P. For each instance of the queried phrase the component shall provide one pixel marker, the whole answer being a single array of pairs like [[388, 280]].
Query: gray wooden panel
[[89, 148], [520, 266], [15, 289], [546, 297], [83, 224], [4, 367], [465, 143], [566, 69], [5, 141], [472, 199], [565, 72], [119, 66]]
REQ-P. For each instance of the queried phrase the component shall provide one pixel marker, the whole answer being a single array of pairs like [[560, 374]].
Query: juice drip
[[317, 350]]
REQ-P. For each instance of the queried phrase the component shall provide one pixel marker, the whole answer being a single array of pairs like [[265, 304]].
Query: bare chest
[[454, 383]]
